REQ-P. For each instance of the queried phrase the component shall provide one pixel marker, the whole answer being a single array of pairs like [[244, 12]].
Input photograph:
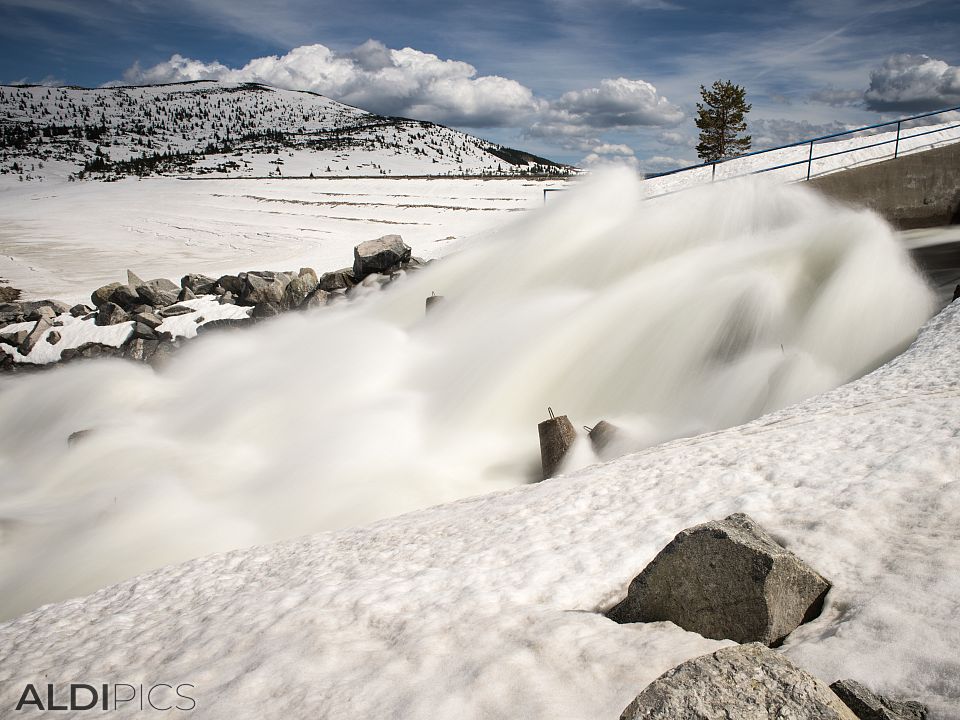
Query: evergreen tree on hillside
[[720, 118]]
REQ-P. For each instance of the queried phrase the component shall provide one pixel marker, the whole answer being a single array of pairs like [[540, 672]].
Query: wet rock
[[726, 579], [337, 280], [10, 313], [111, 314], [53, 337], [159, 293], [222, 324], [80, 310], [317, 299], [163, 353], [867, 705], [227, 299], [379, 256], [746, 682], [9, 294], [264, 310], [90, 350], [310, 275], [198, 284], [186, 294], [34, 336]]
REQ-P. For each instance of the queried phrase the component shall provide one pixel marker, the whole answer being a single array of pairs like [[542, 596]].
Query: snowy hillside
[[229, 130]]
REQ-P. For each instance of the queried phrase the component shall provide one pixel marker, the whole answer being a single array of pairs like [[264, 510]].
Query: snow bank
[[486, 608]]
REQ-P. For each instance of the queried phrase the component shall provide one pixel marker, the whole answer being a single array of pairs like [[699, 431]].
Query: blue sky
[[576, 80]]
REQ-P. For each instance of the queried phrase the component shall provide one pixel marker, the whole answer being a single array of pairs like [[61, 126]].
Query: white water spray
[[668, 317]]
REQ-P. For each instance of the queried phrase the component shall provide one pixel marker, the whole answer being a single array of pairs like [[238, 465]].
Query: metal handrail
[[812, 141]]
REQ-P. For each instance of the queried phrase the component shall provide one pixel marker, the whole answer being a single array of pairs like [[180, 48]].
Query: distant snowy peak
[[229, 130]]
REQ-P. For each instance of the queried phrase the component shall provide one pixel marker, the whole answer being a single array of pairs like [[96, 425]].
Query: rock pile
[[146, 304]]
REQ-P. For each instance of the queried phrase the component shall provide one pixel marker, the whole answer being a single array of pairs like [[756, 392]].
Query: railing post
[[810, 160], [896, 148], [713, 173]]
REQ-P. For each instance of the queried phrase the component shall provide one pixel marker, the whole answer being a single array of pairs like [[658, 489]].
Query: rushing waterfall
[[668, 317]]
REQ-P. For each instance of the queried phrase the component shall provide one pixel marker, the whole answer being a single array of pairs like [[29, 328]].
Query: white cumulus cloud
[[411, 83], [913, 83]]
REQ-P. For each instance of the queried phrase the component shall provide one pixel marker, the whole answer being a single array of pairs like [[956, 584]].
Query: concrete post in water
[[433, 301], [556, 436], [601, 435]]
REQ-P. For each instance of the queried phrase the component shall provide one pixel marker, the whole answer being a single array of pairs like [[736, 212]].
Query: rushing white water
[[667, 317]]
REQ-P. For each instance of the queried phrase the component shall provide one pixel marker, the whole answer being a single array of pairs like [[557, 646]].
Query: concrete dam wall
[[916, 191]]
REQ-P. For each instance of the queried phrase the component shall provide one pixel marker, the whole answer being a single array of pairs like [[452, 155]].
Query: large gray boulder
[[867, 705], [102, 294], [159, 293], [379, 256], [198, 284], [14, 338], [342, 279], [726, 580], [297, 291], [126, 297], [746, 682], [111, 314], [263, 287]]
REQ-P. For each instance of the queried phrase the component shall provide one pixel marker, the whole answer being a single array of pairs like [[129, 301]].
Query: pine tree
[[720, 118]]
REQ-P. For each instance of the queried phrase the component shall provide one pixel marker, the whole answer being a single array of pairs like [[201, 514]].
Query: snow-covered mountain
[[230, 130]]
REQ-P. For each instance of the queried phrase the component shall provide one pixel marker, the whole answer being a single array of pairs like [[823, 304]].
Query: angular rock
[[186, 294], [227, 299], [111, 314], [89, 350], [14, 339], [175, 310], [149, 319], [379, 256], [38, 333], [745, 682], [337, 280], [264, 310], [80, 310], [309, 274], [53, 337], [726, 580], [141, 349], [223, 324], [159, 293], [867, 705], [102, 294], [198, 284], [42, 313], [259, 289], [229, 283], [317, 299], [163, 353], [133, 280], [9, 294], [297, 291], [10, 313], [144, 331], [126, 297]]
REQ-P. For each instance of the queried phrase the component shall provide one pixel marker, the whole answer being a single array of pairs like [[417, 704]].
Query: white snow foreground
[[487, 608]]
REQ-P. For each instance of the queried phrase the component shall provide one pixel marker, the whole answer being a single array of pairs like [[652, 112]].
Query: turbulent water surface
[[667, 317]]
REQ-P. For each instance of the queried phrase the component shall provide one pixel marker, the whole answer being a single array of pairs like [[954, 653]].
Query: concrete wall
[[919, 190]]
